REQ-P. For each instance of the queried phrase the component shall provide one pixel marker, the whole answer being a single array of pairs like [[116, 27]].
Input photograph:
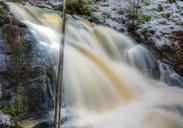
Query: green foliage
[[132, 16], [20, 105], [86, 10], [9, 110], [79, 6], [146, 18], [179, 23], [171, 1], [166, 15], [133, 27], [121, 11], [160, 7]]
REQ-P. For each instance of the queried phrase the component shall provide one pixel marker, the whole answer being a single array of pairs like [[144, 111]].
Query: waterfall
[[109, 79]]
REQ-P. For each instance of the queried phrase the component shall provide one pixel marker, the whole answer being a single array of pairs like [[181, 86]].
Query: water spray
[[58, 98]]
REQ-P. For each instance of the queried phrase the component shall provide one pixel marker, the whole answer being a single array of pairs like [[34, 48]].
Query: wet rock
[[175, 52], [97, 18], [44, 125], [27, 74], [164, 18]]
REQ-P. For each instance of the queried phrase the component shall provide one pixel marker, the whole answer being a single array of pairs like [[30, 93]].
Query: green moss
[[160, 7], [132, 27], [146, 18], [171, 1], [86, 10], [9, 110], [166, 15], [179, 23], [121, 11], [132, 16], [79, 6]]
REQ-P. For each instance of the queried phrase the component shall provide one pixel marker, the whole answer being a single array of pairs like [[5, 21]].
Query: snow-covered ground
[[157, 19]]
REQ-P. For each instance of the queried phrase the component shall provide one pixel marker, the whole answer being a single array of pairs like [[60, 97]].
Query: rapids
[[109, 81]]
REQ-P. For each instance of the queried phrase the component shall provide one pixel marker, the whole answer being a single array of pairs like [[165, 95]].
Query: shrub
[[160, 7], [172, 1], [121, 11], [166, 15], [179, 23], [146, 18]]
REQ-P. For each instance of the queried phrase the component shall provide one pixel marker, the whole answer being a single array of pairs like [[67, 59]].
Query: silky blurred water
[[109, 81]]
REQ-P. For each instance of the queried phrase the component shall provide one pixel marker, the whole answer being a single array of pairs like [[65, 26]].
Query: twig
[[60, 73]]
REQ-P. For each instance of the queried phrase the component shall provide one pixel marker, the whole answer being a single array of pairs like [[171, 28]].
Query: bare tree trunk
[[137, 6]]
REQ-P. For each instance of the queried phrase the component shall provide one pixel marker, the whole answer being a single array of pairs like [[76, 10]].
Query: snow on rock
[[161, 23]]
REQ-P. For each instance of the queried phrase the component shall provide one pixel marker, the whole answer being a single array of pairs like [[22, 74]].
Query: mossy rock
[[86, 10], [79, 6]]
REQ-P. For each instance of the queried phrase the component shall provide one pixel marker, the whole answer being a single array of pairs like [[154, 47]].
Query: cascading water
[[108, 78]]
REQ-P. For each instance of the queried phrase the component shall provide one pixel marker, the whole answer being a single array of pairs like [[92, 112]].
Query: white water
[[108, 78]]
